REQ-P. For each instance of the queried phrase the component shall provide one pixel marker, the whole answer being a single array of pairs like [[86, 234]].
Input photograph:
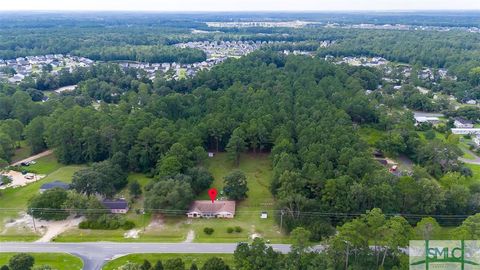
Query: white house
[[209, 209], [462, 123], [427, 119], [466, 131]]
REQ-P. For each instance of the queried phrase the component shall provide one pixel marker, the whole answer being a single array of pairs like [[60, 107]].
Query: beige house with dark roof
[[207, 209]]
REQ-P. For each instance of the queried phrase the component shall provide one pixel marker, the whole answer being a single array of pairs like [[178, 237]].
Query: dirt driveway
[[32, 158], [20, 180]]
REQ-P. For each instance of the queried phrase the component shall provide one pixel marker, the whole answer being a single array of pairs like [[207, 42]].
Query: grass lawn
[[22, 152], [438, 135], [258, 171], [45, 165], [17, 198], [188, 259], [476, 171], [58, 261]]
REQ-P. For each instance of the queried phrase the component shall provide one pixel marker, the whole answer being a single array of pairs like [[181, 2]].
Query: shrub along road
[[95, 254]]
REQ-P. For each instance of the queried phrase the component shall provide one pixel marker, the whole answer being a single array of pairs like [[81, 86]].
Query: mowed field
[[259, 173], [178, 228], [58, 261], [188, 259], [14, 200]]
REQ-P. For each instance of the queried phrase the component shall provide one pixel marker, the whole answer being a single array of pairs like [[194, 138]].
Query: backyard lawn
[[58, 261], [258, 171], [187, 258]]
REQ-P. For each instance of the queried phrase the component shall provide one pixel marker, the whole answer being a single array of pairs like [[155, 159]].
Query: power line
[[278, 211]]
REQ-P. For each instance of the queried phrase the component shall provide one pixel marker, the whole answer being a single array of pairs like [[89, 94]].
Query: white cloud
[[239, 5]]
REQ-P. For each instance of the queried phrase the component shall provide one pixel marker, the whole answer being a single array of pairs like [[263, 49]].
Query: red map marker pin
[[213, 194]]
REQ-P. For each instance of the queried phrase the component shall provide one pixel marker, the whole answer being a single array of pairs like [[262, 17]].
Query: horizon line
[[242, 11]]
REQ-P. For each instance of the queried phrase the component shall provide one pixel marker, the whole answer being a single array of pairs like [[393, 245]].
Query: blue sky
[[239, 5]]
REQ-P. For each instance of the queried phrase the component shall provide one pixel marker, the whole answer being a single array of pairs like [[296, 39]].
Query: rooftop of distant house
[[55, 184], [463, 121], [115, 204], [207, 207]]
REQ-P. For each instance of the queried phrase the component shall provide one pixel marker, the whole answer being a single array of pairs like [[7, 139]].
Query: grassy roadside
[[188, 259], [58, 261]]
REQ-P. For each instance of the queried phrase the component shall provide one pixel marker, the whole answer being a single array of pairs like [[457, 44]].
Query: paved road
[[95, 254], [475, 161], [37, 156]]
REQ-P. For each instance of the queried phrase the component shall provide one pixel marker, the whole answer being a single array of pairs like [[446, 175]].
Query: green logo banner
[[444, 254]]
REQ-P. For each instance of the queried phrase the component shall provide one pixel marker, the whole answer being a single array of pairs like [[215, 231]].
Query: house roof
[[207, 207], [115, 204], [463, 121], [55, 184]]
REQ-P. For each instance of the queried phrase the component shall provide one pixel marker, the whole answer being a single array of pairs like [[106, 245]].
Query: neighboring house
[[54, 184], [465, 131], [427, 119], [207, 209], [118, 206], [462, 123], [471, 102]]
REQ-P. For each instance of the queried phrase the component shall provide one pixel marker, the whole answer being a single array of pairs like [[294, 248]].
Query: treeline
[[304, 111], [150, 54]]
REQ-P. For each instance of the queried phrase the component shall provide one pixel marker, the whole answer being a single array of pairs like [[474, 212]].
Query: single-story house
[[54, 184], [118, 206], [466, 131], [462, 123], [427, 119], [207, 209]]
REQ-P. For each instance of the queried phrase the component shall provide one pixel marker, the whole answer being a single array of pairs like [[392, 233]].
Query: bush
[[208, 230], [4, 268], [5, 179], [238, 229], [107, 222], [229, 230], [21, 261]]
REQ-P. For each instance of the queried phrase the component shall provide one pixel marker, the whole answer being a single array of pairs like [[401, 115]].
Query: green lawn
[[199, 259], [438, 135], [16, 199], [44, 165], [58, 261], [476, 171], [258, 170], [22, 152]]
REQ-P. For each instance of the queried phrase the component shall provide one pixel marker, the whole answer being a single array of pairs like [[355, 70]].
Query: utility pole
[[143, 214], [34, 226], [281, 219]]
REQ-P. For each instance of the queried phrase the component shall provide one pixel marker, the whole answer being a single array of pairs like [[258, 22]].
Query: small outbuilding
[[118, 206]]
